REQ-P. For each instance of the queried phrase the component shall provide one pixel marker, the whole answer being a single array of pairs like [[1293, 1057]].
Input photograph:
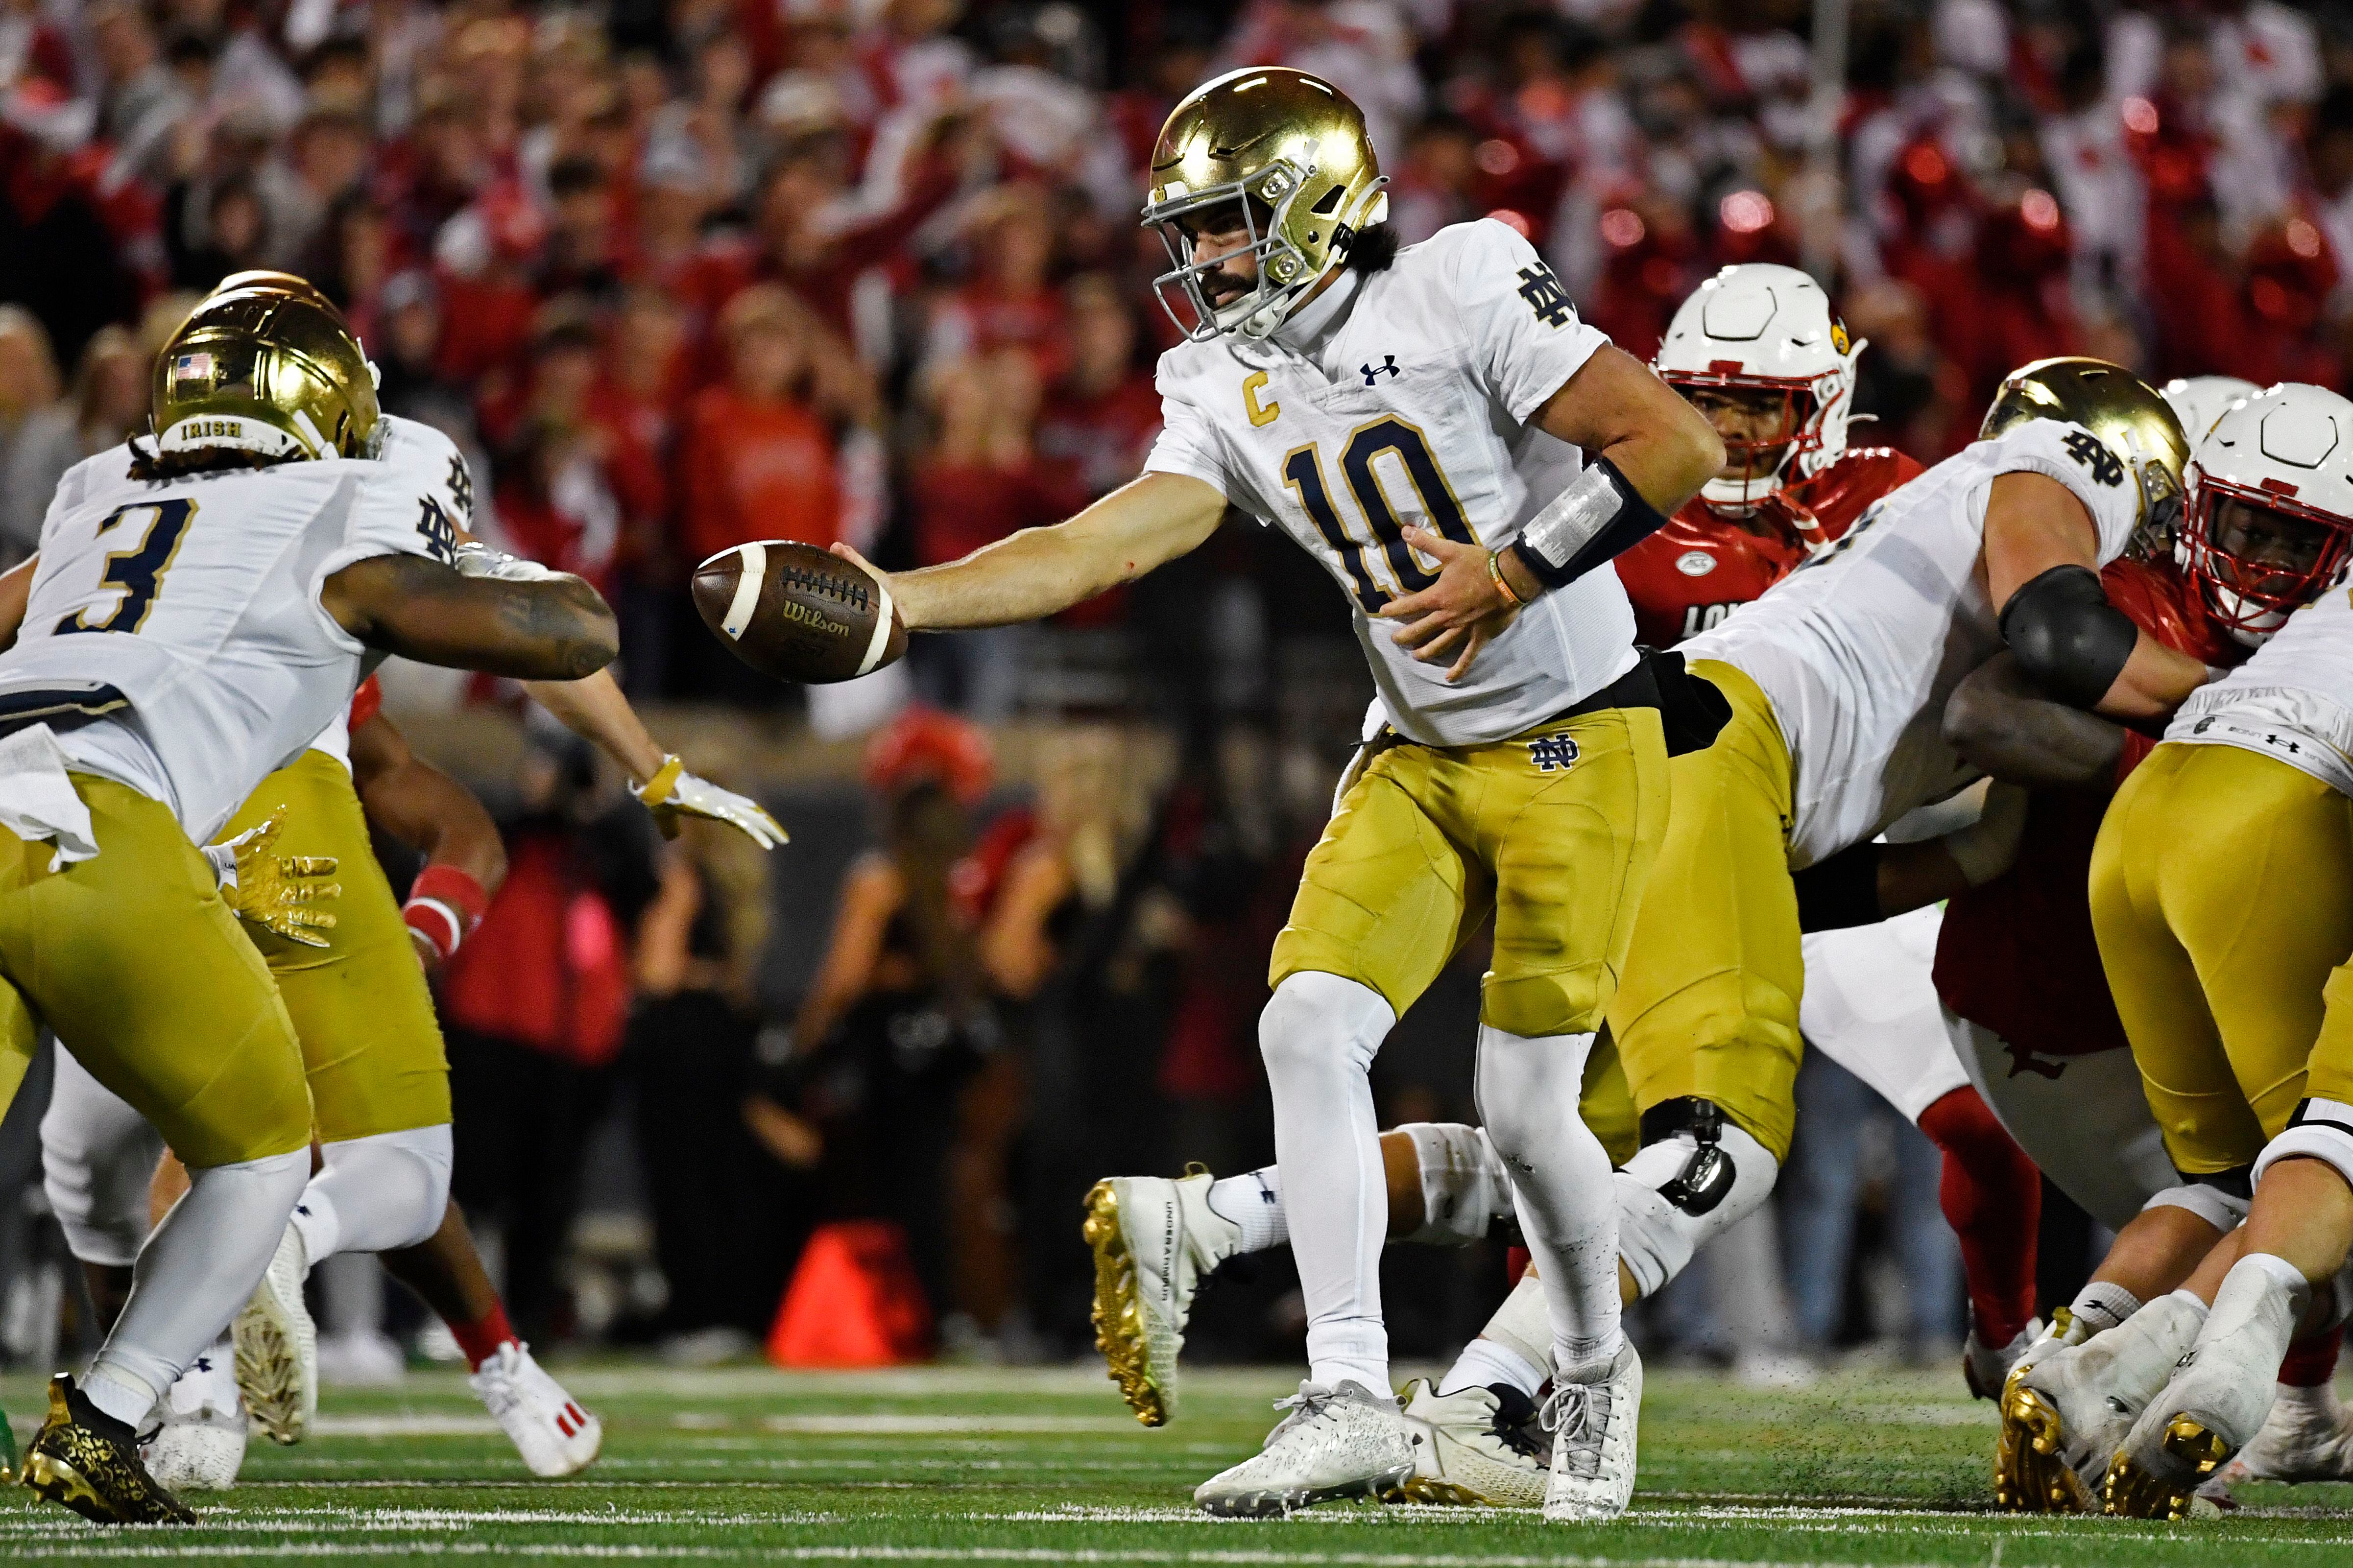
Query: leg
[[98, 1155]]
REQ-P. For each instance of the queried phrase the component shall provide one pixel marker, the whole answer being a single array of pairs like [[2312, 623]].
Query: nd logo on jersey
[[1551, 753]]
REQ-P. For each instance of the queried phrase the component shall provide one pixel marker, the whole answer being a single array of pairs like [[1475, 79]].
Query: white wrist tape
[[1573, 519]]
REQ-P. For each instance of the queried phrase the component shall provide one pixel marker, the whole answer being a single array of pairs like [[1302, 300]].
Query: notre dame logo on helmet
[[1544, 294]]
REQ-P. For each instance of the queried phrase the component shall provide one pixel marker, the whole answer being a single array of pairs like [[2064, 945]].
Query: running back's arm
[[424, 807], [553, 629]]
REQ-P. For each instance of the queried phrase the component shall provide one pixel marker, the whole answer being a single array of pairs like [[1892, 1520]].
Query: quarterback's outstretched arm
[[2042, 568], [1145, 523], [553, 628]]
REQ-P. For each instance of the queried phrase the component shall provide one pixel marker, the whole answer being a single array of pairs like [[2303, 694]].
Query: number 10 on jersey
[[1303, 473]]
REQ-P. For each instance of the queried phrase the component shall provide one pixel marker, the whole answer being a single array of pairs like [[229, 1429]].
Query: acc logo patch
[[1551, 753], [1694, 564]]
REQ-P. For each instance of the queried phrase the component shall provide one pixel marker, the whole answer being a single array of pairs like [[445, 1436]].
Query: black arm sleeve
[[2068, 638], [1635, 521], [1841, 892]]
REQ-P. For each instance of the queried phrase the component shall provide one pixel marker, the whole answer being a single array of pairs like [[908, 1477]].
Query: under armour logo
[[1372, 372], [1551, 753], [1544, 294]]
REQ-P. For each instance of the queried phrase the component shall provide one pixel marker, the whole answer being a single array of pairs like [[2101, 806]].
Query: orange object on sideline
[[854, 1301]]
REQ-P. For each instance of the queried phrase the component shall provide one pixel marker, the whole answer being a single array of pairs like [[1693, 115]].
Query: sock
[[1318, 1034], [1992, 1197], [376, 1193], [117, 1397], [1253, 1201], [481, 1338], [2101, 1306], [195, 1271], [1485, 1363], [2311, 1361], [1464, 1188], [1527, 1092]]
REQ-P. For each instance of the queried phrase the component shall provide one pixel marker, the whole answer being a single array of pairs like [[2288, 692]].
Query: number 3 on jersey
[[1302, 472], [159, 527]]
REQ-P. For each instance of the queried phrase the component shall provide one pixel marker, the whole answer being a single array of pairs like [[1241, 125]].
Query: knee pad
[[98, 1158], [1681, 1191], [2221, 1199], [1463, 1188], [2319, 1130], [1316, 1021], [388, 1191]]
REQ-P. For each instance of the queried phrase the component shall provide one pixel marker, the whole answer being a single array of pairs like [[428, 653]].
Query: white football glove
[[673, 795], [276, 893], [476, 559]]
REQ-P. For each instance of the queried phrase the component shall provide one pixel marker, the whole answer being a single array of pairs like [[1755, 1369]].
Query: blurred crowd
[[683, 273]]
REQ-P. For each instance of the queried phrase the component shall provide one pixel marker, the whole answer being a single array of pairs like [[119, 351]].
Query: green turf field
[[981, 1467]]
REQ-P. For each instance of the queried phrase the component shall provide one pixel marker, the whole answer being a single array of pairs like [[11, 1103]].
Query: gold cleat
[[75, 1461], [2031, 1472], [2134, 1491], [1117, 1315]]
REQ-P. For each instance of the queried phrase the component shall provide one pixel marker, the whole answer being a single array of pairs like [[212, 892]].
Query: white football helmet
[[2270, 519], [2198, 400], [1770, 328]]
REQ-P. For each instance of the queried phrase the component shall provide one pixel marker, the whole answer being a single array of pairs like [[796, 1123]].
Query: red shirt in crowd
[[753, 469]]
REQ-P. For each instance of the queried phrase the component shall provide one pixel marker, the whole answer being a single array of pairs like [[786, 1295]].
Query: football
[[798, 613]]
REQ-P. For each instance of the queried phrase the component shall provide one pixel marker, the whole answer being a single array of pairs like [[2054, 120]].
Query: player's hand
[[1455, 616], [673, 795], [276, 892]]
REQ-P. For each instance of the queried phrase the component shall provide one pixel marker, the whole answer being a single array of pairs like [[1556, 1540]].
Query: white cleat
[[277, 1347], [1986, 1368], [1593, 1446], [200, 1444], [2063, 1417], [553, 1434], [1338, 1442], [1155, 1240], [1472, 1449], [2308, 1436], [2212, 1406]]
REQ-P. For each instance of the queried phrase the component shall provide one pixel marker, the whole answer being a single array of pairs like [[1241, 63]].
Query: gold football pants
[[2223, 898], [371, 1045], [1709, 1005], [138, 964], [1553, 831]]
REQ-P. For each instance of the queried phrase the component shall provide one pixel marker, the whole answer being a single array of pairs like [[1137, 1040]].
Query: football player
[[204, 606], [2199, 400], [2223, 997], [1414, 418]]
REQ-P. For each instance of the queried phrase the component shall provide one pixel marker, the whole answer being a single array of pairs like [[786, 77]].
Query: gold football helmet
[[2130, 417], [1278, 154], [265, 366]]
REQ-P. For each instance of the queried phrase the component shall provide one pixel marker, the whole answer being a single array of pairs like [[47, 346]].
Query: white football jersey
[[174, 638], [1859, 647], [423, 456], [1404, 396], [2294, 700]]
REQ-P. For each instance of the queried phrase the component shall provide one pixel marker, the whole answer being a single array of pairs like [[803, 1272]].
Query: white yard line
[[109, 1550]]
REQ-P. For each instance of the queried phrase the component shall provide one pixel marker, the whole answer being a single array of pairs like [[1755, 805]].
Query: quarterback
[[1413, 418], [203, 606]]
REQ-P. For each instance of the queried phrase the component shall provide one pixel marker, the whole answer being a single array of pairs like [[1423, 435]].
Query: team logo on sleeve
[[462, 486], [2092, 453], [1551, 753], [440, 533], [1544, 294]]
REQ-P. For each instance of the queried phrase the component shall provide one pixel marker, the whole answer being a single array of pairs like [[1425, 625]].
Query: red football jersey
[[1691, 573], [2017, 955], [366, 703]]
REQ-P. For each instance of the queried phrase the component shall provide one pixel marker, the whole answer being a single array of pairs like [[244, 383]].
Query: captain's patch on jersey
[[1695, 563], [2092, 453], [1550, 754], [1544, 294]]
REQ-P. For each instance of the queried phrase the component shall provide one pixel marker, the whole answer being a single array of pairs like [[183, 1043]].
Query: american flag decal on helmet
[[192, 367]]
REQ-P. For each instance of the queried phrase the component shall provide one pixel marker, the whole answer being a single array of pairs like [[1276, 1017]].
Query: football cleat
[[2308, 1436], [200, 1444], [1473, 1449], [88, 1462], [2213, 1405], [549, 1429], [2064, 1417], [1335, 1443], [1593, 1450], [1986, 1368], [277, 1346], [1155, 1240]]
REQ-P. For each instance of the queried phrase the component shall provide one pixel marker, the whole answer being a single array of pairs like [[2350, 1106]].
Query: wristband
[[1503, 583], [1841, 892], [444, 904], [1598, 517], [656, 789]]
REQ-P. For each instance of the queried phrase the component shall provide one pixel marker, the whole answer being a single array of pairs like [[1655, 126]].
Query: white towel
[[37, 800]]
